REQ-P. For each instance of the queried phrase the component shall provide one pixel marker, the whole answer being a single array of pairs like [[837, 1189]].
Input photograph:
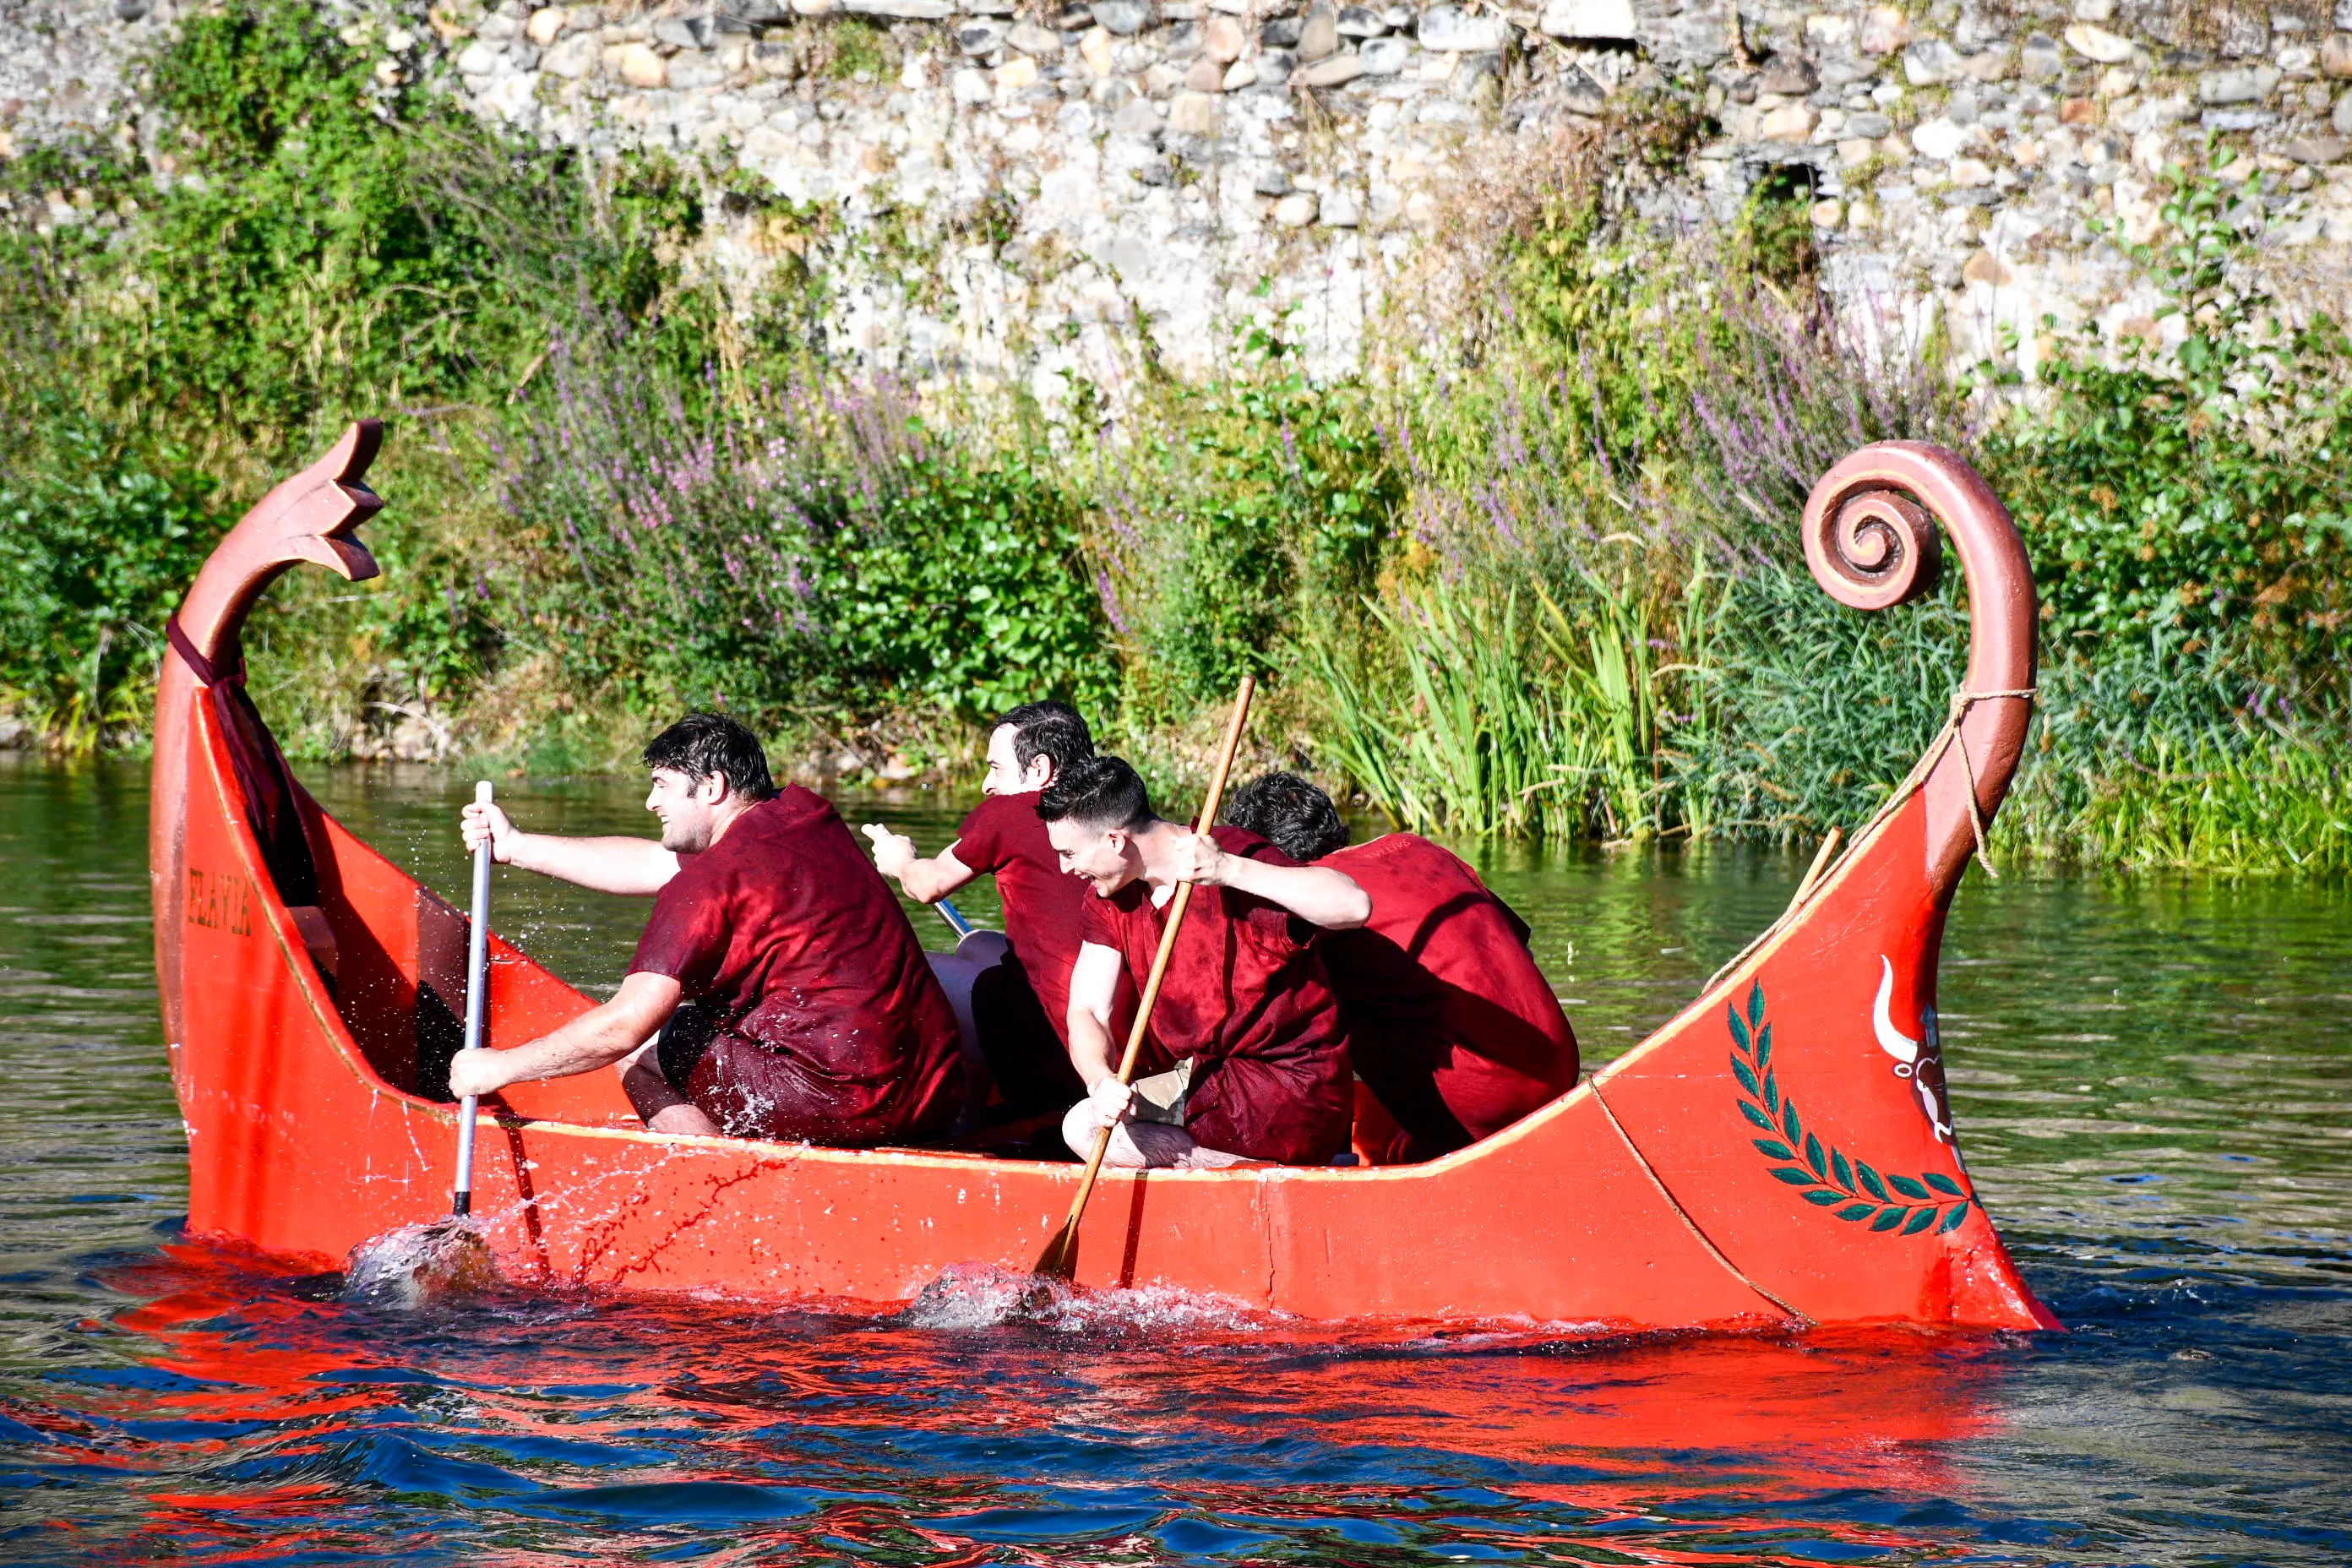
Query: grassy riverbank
[[1544, 583]]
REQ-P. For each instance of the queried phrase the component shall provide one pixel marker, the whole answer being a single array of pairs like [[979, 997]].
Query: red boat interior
[[400, 985]]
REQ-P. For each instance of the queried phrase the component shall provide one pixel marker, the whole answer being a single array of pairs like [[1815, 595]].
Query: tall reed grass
[[1602, 625]]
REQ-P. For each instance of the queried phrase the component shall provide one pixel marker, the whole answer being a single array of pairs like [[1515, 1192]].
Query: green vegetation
[[1545, 584], [857, 50], [1611, 632]]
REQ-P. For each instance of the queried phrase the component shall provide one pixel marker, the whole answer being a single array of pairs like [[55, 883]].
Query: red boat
[[1782, 1151]]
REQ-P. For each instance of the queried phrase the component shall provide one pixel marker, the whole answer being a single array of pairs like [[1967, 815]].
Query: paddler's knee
[[662, 1105]]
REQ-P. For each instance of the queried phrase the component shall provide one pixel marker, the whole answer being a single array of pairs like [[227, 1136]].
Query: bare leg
[[663, 1109]]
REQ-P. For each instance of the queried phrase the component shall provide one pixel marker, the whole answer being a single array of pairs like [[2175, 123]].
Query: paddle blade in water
[[1060, 1259], [981, 1296], [418, 1265]]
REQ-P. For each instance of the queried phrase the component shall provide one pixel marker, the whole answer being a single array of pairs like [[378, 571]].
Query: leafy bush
[[809, 553], [338, 245], [1241, 511], [96, 547], [326, 248], [2211, 492]]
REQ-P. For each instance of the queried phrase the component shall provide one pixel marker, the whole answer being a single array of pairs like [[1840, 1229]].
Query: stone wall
[[995, 197]]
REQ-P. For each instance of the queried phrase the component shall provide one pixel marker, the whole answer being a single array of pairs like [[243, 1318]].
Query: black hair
[[701, 745], [1100, 792], [1294, 815], [1050, 729]]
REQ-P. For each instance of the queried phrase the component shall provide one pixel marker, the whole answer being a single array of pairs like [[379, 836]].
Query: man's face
[[1104, 856], [1005, 774], [688, 809]]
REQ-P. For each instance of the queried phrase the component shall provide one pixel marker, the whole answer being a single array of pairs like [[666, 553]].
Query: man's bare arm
[[1316, 894], [1093, 994], [612, 864], [597, 1038], [925, 881]]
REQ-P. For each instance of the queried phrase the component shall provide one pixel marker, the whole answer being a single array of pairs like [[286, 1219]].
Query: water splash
[[986, 1295], [1163, 1308], [417, 1265]]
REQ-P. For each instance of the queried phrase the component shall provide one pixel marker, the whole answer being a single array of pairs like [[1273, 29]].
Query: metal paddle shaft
[[1060, 1258], [954, 917], [477, 965]]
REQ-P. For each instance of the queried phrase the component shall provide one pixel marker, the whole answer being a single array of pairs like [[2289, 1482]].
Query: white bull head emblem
[[1919, 1062]]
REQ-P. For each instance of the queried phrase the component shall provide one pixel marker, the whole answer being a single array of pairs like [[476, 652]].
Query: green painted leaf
[[1857, 1211], [1772, 1095], [1746, 1079], [1951, 1221], [1908, 1188], [1821, 1197], [1870, 1182], [1919, 1222], [1888, 1218], [1793, 1177], [1758, 1117], [1764, 1047], [1770, 1150], [1789, 1122], [1739, 1029], [1813, 1157], [1841, 1170], [1944, 1184], [1756, 1005]]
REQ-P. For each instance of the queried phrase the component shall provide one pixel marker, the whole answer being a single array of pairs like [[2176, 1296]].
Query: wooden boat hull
[[1766, 1155]]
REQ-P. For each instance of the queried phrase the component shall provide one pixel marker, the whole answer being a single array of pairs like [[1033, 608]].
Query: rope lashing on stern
[[1916, 780]]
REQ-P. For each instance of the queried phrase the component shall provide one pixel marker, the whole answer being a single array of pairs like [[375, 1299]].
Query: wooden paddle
[[1060, 1259]]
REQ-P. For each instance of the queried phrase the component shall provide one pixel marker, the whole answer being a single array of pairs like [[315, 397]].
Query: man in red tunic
[[1453, 1026], [778, 991], [1245, 1011], [1018, 1002]]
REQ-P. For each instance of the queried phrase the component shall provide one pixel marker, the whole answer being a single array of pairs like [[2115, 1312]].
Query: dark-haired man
[[1245, 1011], [778, 991], [1021, 1001], [1453, 1027]]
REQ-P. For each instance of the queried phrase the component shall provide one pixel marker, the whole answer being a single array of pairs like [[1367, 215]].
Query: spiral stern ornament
[[1871, 537], [1872, 549]]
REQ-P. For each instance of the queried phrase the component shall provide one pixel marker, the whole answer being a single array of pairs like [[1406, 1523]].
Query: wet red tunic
[[823, 1020], [1247, 997], [1451, 1024]]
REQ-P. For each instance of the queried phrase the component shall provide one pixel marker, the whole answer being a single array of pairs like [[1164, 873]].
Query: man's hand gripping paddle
[[1060, 1259], [477, 975]]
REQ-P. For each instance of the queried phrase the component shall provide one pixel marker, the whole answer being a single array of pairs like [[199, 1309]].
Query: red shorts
[[753, 1090]]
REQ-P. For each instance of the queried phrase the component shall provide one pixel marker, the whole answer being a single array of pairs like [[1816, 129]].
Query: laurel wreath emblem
[[1851, 1189]]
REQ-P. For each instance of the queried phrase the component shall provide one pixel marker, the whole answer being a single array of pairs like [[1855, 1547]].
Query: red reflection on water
[[1734, 1430]]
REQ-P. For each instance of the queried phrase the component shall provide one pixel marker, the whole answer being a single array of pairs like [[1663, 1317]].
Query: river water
[[2150, 1078]]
